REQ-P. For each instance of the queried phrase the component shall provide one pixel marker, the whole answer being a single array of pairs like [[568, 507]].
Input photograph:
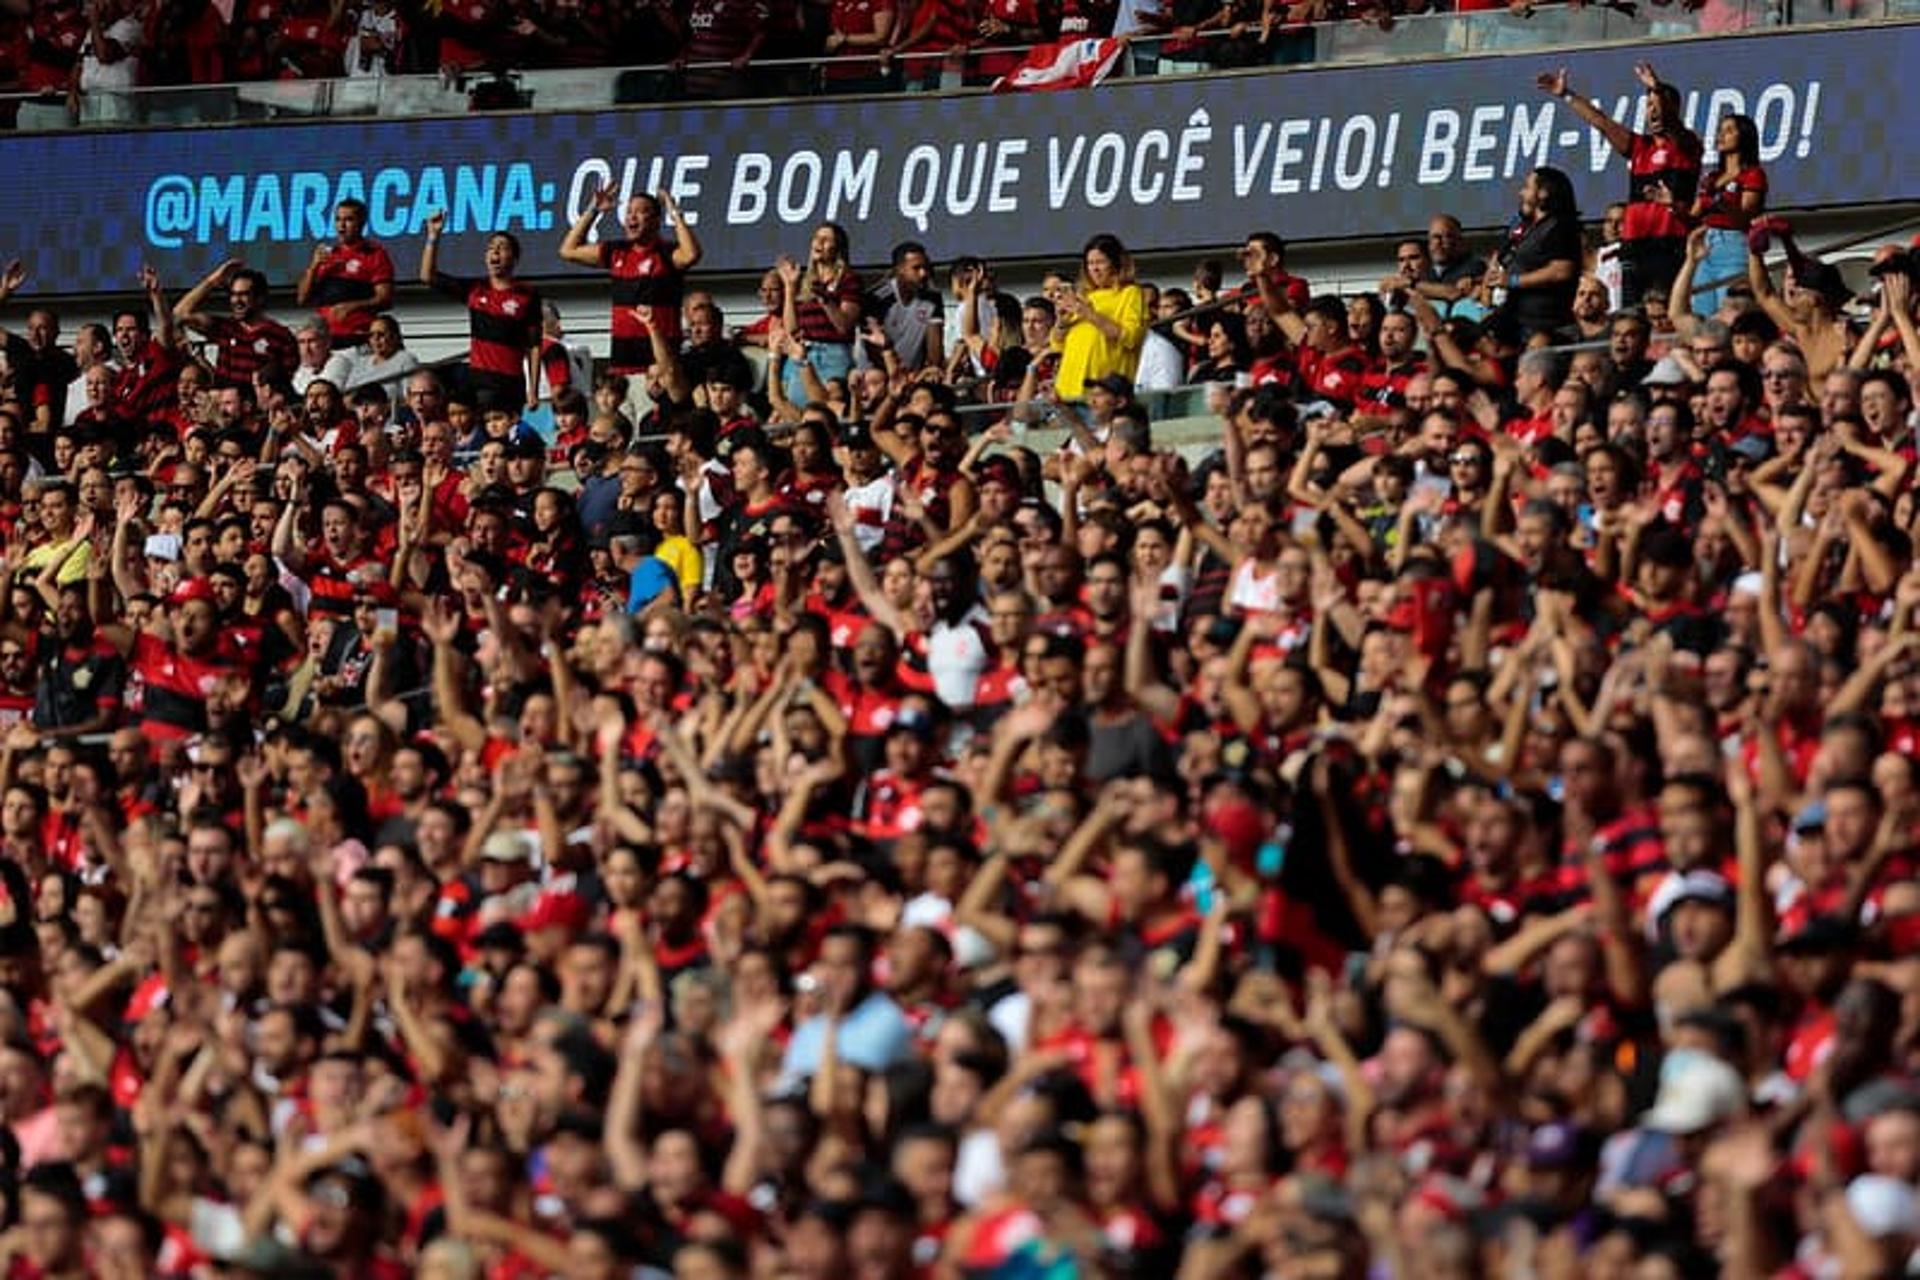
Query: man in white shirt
[[111, 65], [1162, 367], [318, 359], [91, 346]]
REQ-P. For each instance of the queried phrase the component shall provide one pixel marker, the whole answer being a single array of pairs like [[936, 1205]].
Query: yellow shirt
[[1086, 353], [681, 556], [72, 571]]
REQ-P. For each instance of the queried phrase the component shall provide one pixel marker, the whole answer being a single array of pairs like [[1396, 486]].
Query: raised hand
[[1554, 82], [439, 622]]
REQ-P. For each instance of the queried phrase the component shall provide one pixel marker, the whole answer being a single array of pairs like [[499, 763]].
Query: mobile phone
[[386, 619]]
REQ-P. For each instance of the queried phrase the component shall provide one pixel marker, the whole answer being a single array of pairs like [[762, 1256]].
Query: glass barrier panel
[[1407, 39]]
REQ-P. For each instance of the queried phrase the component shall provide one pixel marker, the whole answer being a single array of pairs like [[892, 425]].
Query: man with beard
[[81, 675], [1385, 385], [928, 461], [249, 341]]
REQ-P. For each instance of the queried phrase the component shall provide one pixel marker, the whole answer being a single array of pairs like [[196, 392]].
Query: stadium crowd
[[1458, 822], [736, 48]]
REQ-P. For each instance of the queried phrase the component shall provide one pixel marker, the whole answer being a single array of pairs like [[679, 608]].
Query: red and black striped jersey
[[503, 324], [244, 349], [350, 273], [647, 292], [175, 686]]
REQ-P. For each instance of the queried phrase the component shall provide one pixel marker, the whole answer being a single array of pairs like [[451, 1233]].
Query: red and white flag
[[1064, 64]]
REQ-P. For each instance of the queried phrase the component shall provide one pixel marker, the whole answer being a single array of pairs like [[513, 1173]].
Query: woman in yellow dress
[[1102, 322]]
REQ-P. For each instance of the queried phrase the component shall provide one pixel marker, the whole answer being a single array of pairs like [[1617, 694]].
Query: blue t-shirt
[[650, 579], [873, 1036]]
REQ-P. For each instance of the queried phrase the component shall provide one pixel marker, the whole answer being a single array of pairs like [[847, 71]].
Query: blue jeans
[[1726, 256], [830, 360]]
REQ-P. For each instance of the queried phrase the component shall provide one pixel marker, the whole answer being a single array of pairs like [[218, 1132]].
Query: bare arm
[[189, 311], [1749, 957], [430, 248], [860, 572], [625, 1151], [573, 246], [1618, 136], [1143, 681]]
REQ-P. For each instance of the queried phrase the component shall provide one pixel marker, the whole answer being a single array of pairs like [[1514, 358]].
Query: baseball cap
[[1755, 449], [1000, 470], [1884, 1206], [1821, 935], [556, 909], [1824, 279], [1697, 1091], [191, 589], [1555, 1145], [1692, 886], [1812, 817], [856, 435], [506, 846], [914, 721], [1666, 372]]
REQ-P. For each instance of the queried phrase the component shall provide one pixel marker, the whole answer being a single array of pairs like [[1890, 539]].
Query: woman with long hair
[[1731, 196], [821, 307], [1229, 354], [1103, 319]]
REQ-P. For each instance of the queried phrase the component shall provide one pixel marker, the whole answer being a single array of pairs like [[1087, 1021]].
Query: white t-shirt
[[979, 1172], [1255, 594], [1162, 368], [956, 657], [364, 369], [336, 370], [111, 77], [386, 26], [871, 505]]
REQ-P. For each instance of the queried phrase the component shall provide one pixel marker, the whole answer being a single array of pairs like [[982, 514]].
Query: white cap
[[1690, 886], [1697, 1091], [1883, 1206]]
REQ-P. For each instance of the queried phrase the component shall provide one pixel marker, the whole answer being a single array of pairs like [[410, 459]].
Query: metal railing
[[1339, 42]]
